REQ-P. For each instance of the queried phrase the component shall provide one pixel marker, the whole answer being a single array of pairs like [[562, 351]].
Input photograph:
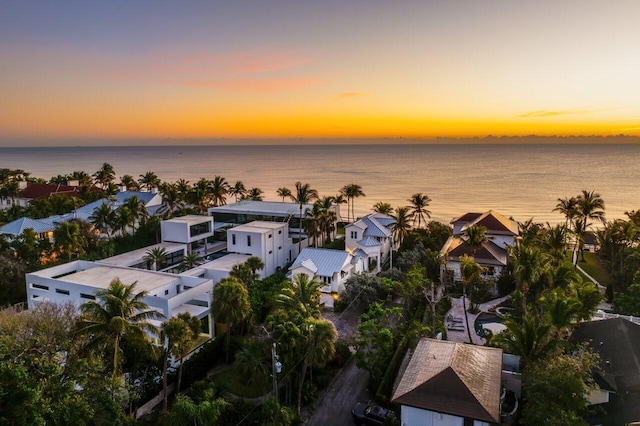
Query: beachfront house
[[493, 256], [371, 237], [77, 282], [452, 384], [242, 212], [269, 241], [28, 192]]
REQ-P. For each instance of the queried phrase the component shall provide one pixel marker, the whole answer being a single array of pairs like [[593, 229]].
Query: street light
[[276, 369]]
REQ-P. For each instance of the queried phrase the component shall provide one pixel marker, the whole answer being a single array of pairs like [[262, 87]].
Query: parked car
[[369, 414]]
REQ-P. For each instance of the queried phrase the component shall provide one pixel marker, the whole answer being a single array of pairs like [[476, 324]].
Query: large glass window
[[199, 229]]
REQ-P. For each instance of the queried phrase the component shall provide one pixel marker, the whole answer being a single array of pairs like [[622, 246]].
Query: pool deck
[[457, 312]]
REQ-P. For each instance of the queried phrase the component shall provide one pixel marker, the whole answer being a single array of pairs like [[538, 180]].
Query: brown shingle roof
[[453, 378], [496, 223], [488, 254], [466, 218]]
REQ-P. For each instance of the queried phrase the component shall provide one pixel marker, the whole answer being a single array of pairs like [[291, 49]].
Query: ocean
[[518, 180]]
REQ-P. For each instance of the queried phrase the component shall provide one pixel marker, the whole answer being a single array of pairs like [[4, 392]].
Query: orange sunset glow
[[330, 70]]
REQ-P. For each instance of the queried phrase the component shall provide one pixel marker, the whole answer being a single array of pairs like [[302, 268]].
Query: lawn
[[230, 381], [593, 267]]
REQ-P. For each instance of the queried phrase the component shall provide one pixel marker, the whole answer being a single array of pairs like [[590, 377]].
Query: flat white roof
[[101, 277], [190, 219], [126, 259], [259, 226], [225, 263]]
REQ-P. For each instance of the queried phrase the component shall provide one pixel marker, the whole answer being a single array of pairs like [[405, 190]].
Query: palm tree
[[339, 200], [559, 310], [237, 190], [155, 258], [255, 264], [531, 339], [230, 304], [470, 271], [137, 210], [200, 194], [304, 194], [190, 261], [174, 332], [149, 180], [219, 190], [124, 218], [129, 183], [103, 218], [351, 191], [528, 267], [283, 192], [254, 194], [418, 208], [171, 199], [590, 207], [184, 189], [587, 298], [105, 175], [301, 294], [568, 207], [117, 313], [401, 226], [69, 239], [475, 236], [319, 348], [383, 208], [555, 243]]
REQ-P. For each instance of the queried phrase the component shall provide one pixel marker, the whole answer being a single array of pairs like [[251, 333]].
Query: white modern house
[[450, 384], [77, 282], [372, 238], [501, 232], [243, 212], [332, 267], [269, 241], [192, 230]]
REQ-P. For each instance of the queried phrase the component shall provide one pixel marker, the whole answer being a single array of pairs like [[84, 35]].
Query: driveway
[[334, 408]]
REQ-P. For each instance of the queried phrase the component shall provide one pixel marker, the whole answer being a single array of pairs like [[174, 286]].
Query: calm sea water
[[522, 181]]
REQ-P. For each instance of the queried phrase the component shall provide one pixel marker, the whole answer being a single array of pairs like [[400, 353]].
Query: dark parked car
[[369, 414]]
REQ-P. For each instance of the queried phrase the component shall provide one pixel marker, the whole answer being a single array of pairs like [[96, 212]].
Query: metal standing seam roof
[[369, 242], [375, 229], [453, 378], [18, 226], [263, 207], [327, 262]]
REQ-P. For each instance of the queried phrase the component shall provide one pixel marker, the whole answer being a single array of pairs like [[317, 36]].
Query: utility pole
[[276, 369]]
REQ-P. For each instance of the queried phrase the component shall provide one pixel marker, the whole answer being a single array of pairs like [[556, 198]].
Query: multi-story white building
[[267, 240], [372, 238], [78, 282], [331, 267], [192, 230]]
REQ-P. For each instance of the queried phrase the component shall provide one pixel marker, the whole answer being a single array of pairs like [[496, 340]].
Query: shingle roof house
[[617, 341], [501, 231], [449, 381]]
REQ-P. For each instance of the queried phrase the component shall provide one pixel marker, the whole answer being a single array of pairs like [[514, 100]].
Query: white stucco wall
[[411, 416]]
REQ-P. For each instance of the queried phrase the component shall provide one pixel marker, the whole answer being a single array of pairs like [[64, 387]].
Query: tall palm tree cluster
[[414, 215], [580, 212]]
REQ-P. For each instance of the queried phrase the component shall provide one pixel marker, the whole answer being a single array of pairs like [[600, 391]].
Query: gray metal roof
[[272, 208], [369, 242], [327, 262], [16, 227], [375, 228]]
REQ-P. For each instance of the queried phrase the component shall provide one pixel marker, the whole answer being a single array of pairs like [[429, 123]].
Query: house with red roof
[[493, 256]]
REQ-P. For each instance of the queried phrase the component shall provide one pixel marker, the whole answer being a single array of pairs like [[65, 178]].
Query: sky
[[280, 69]]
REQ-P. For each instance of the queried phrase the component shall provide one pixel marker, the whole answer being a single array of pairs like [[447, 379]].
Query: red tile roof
[[39, 191]]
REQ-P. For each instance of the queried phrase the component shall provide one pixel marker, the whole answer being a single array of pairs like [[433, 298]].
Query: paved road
[[335, 409]]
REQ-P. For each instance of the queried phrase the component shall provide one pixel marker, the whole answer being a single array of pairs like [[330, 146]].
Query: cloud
[[554, 113], [260, 71], [350, 95]]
